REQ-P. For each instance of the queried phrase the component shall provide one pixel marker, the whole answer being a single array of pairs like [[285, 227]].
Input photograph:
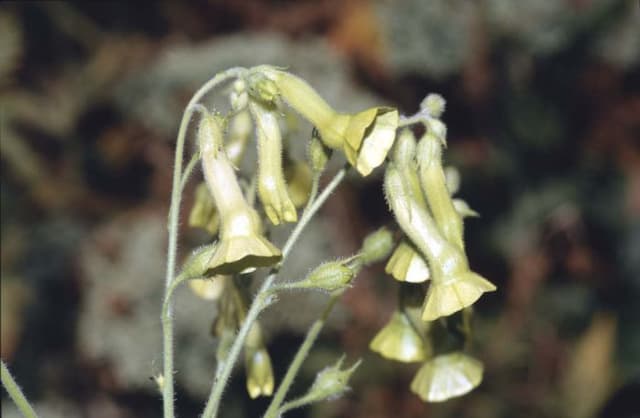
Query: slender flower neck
[[218, 171], [433, 179]]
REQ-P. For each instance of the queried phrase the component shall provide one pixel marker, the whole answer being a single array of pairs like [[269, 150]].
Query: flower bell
[[453, 286], [241, 247], [407, 265], [365, 137], [447, 376], [271, 185], [260, 380], [400, 340]]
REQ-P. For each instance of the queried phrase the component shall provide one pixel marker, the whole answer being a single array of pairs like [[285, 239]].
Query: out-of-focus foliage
[[543, 114]]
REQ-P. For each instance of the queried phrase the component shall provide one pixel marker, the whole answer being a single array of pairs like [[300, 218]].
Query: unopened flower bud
[[330, 276], [197, 263], [332, 382], [404, 149], [318, 153], [434, 104], [262, 87], [376, 246], [272, 189], [260, 379]]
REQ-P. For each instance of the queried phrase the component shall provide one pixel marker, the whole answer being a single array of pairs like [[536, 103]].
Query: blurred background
[[543, 110]]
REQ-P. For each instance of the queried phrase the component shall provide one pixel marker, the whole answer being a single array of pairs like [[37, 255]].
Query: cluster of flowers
[[418, 190]]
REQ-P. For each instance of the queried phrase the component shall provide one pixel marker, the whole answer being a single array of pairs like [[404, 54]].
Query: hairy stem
[[274, 409], [174, 214], [262, 298], [16, 393]]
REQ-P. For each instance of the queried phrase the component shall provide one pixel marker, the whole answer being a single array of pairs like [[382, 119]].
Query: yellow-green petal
[[400, 341], [447, 376]]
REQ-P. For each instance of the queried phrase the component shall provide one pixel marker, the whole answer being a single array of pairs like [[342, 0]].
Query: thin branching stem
[[16, 393], [263, 298], [274, 409], [174, 214]]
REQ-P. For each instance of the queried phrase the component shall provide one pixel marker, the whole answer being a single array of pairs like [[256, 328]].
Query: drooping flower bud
[[260, 380], [318, 153], [434, 104], [447, 376], [376, 246], [241, 247], [240, 125], [272, 189]]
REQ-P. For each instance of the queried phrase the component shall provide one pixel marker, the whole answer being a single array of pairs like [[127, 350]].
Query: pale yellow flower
[[242, 247], [447, 376], [399, 340]]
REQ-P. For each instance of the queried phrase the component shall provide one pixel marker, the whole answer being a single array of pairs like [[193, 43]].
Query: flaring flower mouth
[[243, 254], [369, 137], [447, 376], [400, 341], [454, 294]]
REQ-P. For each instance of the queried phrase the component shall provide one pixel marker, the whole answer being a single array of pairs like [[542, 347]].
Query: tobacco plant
[[431, 325]]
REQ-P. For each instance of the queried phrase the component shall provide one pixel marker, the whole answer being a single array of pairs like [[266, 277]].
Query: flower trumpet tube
[[364, 137], [241, 247], [433, 180], [272, 188], [454, 286]]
